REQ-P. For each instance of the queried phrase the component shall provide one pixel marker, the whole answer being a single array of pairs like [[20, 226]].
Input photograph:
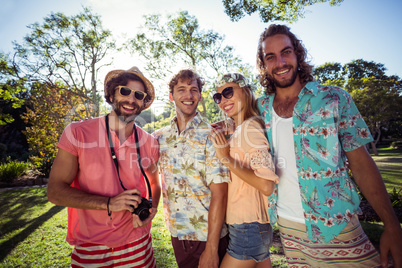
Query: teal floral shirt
[[188, 165], [326, 123]]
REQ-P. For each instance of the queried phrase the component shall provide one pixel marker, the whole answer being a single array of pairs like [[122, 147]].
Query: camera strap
[[116, 162]]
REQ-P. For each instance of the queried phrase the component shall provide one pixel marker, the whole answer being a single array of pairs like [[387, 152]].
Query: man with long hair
[[314, 131]]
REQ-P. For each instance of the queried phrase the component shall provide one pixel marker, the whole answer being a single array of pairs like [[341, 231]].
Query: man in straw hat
[[99, 176]]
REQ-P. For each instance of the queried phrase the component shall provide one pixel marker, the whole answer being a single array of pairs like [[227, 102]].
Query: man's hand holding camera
[[127, 200], [138, 223], [130, 200]]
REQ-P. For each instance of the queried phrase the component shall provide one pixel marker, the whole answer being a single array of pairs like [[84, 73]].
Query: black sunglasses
[[227, 93], [126, 91]]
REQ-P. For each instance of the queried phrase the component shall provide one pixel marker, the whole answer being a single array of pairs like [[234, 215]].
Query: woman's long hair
[[250, 106]]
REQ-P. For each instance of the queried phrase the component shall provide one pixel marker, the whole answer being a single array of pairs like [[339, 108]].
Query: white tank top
[[289, 200]]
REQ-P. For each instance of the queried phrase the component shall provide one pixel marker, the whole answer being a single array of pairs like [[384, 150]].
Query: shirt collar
[[195, 121], [311, 88]]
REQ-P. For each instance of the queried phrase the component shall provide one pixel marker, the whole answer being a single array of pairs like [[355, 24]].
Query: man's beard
[[118, 109], [284, 83]]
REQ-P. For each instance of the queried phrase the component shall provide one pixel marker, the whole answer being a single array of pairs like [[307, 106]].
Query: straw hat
[[137, 72]]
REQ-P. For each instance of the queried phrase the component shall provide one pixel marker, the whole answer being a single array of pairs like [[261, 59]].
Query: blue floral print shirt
[[326, 123], [188, 166]]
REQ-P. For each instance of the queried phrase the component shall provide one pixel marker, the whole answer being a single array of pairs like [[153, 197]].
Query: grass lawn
[[389, 162], [32, 230]]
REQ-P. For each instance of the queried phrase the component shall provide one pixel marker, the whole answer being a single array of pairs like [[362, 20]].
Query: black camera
[[143, 209]]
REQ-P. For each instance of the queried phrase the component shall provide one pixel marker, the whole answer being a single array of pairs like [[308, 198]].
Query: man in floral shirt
[[194, 183], [313, 131]]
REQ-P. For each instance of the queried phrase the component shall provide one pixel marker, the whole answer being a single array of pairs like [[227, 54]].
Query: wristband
[[109, 213]]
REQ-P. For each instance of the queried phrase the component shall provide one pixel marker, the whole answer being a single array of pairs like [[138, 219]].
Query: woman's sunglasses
[[227, 93], [126, 91]]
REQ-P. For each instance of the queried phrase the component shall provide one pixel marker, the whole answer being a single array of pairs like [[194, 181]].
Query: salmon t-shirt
[[249, 146], [97, 175]]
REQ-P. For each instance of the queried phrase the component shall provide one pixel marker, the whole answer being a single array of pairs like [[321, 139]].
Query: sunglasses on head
[[227, 93], [126, 91]]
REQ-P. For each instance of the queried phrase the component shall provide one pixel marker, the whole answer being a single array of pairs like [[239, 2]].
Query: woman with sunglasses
[[246, 154]]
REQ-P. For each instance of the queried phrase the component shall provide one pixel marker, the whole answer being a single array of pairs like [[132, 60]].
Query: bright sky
[[367, 29]]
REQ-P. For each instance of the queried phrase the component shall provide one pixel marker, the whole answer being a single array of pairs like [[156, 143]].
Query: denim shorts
[[250, 241]]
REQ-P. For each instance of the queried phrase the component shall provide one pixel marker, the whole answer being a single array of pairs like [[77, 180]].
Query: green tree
[[145, 120], [11, 88], [161, 120], [178, 40], [145, 117], [70, 50], [358, 69], [377, 96], [329, 72], [52, 107], [13, 95], [379, 101], [271, 10]]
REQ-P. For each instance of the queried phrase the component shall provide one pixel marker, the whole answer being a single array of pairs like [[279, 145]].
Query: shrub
[[11, 170], [43, 163], [396, 144], [396, 198], [3, 150]]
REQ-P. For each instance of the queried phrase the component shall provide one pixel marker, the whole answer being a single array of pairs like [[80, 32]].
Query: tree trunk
[[204, 108], [95, 100], [373, 146], [374, 143]]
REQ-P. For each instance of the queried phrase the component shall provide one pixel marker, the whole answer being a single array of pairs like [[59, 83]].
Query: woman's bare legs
[[230, 262]]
